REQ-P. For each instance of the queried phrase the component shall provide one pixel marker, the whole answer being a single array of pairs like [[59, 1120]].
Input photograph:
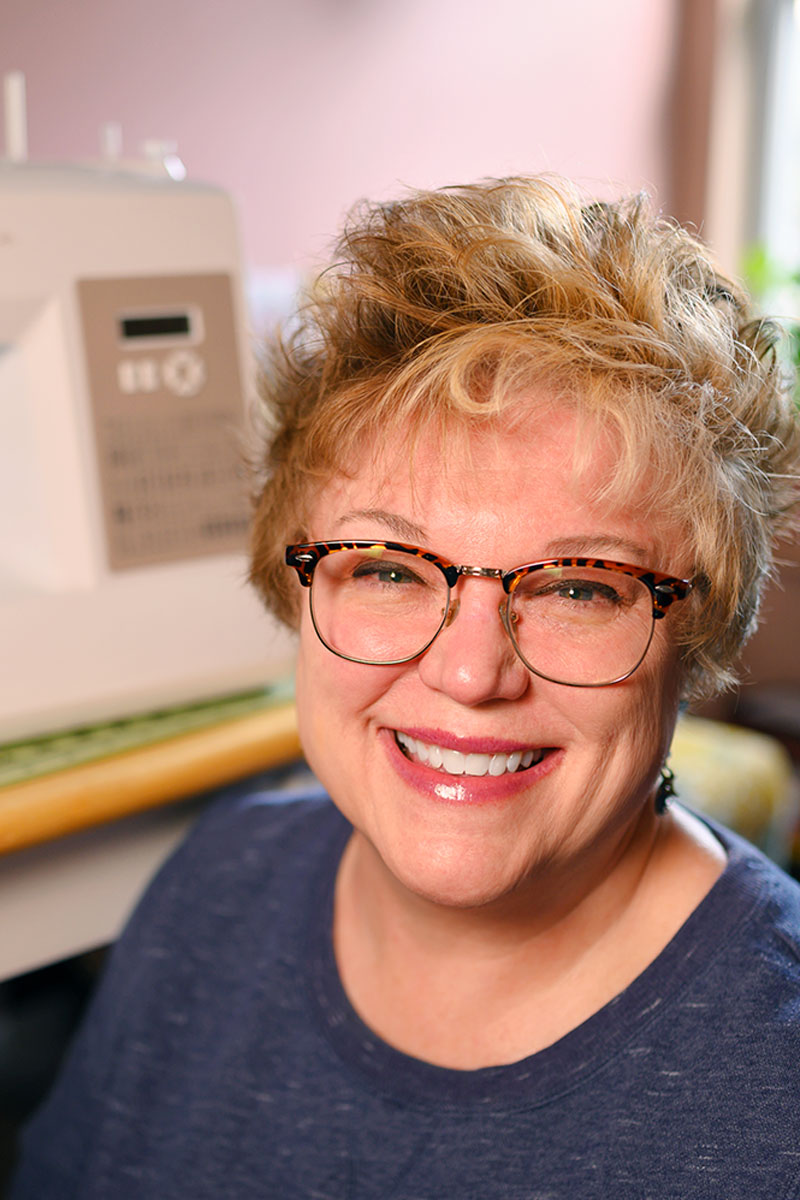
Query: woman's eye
[[581, 591], [386, 572], [586, 592]]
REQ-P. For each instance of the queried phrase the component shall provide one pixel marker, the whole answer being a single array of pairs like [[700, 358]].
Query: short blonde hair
[[445, 305]]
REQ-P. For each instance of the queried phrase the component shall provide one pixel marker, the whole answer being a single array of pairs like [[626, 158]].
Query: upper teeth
[[456, 763]]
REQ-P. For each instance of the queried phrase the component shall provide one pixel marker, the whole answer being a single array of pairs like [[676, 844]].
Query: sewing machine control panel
[[167, 405]]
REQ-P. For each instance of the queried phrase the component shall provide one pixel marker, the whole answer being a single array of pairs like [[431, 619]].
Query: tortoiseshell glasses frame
[[576, 615]]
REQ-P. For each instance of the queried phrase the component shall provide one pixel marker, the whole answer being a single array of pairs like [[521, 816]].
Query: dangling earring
[[666, 790]]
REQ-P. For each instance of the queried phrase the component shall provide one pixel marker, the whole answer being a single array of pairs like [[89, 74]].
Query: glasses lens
[[377, 605], [581, 625]]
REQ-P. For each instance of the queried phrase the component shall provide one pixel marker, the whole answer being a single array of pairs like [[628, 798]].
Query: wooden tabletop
[[42, 809]]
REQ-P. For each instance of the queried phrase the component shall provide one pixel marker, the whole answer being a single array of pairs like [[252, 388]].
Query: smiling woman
[[527, 459], [468, 691]]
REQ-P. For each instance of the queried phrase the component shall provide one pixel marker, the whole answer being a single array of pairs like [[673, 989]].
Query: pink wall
[[300, 107]]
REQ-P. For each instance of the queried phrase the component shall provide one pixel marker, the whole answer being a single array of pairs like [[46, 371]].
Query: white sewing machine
[[124, 373]]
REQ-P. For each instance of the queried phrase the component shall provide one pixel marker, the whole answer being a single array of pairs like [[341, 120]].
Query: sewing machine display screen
[[167, 405], [155, 325]]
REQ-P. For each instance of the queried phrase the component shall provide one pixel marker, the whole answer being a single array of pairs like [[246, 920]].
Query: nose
[[473, 660]]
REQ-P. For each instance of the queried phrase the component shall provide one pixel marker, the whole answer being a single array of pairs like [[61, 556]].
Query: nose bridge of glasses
[[480, 573]]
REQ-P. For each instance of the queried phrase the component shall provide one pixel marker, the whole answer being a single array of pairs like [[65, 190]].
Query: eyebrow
[[406, 530], [594, 545], [573, 547]]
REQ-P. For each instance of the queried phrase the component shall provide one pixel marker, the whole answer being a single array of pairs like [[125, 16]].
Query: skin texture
[[539, 894]]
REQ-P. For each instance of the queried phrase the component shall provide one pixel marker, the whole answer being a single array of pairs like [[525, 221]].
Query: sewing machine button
[[183, 372]]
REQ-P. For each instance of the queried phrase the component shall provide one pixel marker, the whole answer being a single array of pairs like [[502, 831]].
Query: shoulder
[[255, 850], [762, 889], [222, 919], [751, 935], [242, 836], [233, 895]]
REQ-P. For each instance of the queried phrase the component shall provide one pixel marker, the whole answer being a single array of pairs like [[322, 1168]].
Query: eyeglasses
[[584, 622]]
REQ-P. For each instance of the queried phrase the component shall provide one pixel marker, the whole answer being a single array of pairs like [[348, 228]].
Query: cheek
[[629, 725], [320, 722], [337, 723], [304, 691], [645, 716], [321, 696], [334, 697], [667, 679]]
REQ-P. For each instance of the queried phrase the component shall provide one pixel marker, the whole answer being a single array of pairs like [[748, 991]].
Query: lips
[[457, 762]]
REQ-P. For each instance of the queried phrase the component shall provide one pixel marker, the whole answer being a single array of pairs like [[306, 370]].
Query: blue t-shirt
[[221, 1059]]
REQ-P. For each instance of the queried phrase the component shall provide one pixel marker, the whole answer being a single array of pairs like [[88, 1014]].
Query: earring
[[666, 790]]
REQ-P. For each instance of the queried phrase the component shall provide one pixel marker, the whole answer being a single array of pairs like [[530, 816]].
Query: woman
[[529, 457]]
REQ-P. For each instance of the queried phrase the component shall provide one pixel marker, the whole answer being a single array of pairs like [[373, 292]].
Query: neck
[[588, 895], [471, 987]]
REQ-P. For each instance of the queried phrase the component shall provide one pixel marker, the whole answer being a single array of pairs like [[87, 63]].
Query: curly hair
[[446, 305]]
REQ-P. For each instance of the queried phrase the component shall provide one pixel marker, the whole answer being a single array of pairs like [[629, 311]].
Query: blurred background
[[299, 109]]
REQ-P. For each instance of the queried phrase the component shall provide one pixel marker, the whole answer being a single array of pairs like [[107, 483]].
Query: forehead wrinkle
[[400, 526]]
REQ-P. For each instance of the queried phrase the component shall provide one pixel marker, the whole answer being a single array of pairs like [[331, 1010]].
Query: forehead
[[512, 489], [539, 436]]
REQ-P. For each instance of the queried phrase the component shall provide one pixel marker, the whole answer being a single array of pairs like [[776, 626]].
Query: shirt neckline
[[555, 1070]]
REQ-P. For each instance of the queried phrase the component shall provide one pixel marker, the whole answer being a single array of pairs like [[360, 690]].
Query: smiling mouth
[[453, 762]]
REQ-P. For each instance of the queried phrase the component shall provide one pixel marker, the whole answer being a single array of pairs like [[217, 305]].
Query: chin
[[447, 872]]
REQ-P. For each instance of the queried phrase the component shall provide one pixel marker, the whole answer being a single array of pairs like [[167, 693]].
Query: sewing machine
[[124, 377]]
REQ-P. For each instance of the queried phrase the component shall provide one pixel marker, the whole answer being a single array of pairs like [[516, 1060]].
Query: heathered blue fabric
[[222, 1061]]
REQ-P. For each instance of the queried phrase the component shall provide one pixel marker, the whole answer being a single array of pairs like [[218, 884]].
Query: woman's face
[[467, 840]]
